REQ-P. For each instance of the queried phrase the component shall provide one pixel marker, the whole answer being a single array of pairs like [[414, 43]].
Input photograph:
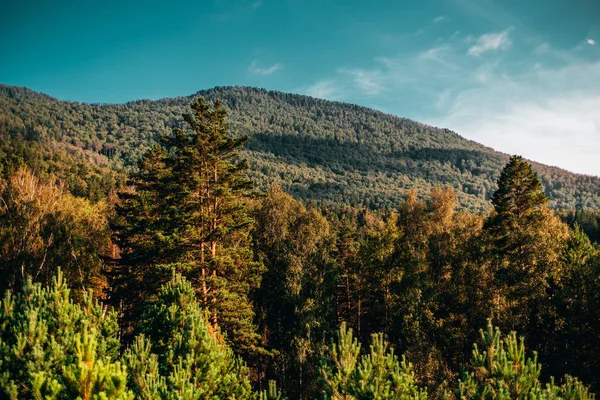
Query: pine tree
[[188, 209], [376, 375], [501, 370], [182, 355], [52, 348], [527, 241], [145, 229]]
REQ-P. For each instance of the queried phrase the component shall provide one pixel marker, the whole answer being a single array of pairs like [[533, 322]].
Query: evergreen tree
[[377, 375], [52, 348], [569, 337], [501, 370], [527, 241], [182, 355], [188, 209]]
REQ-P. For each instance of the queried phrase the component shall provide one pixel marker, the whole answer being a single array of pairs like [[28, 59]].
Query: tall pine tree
[[187, 208]]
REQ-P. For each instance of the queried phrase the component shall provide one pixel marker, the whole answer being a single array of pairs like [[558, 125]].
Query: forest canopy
[[180, 278], [331, 152]]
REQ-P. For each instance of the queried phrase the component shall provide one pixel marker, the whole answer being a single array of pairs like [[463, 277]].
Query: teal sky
[[520, 76]]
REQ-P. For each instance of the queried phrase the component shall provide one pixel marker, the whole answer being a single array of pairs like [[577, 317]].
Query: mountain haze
[[315, 149]]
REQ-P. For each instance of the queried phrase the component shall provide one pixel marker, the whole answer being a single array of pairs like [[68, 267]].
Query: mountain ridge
[[317, 149]]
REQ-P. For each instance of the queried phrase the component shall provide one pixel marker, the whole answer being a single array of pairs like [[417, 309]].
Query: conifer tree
[[569, 338], [188, 209], [53, 348], [181, 354], [376, 375], [501, 370], [527, 241]]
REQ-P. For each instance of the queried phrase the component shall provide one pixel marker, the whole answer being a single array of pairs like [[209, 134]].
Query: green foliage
[[587, 220], [420, 270], [296, 311], [189, 358], [272, 393], [52, 348], [376, 375], [526, 245], [568, 339], [188, 208], [144, 375], [501, 370], [315, 149]]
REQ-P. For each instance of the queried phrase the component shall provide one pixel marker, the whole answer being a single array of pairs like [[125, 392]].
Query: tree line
[[190, 283]]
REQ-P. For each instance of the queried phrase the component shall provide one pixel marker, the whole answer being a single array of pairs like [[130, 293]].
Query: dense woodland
[[190, 276], [314, 149]]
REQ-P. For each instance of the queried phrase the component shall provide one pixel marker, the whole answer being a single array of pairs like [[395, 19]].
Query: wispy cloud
[[257, 4], [547, 114], [441, 18], [256, 69], [324, 89], [545, 110], [591, 42], [490, 42], [369, 82]]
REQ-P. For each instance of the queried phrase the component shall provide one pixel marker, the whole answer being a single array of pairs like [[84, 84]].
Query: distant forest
[[330, 152], [151, 255]]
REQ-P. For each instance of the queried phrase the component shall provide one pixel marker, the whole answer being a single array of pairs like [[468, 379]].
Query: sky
[[521, 76]]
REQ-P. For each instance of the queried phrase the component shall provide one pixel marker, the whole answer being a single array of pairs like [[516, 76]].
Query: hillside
[[316, 149]]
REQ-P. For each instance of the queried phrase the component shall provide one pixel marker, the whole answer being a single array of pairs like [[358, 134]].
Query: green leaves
[[188, 210], [181, 355]]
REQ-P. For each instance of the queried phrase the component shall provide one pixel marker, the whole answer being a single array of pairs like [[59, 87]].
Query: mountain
[[316, 149]]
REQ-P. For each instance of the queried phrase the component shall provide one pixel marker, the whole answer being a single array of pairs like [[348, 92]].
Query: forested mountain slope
[[315, 149]]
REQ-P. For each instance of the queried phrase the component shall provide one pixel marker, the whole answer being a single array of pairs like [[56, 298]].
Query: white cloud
[[255, 68], [542, 106], [548, 115], [490, 42], [369, 82], [257, 4], [325, 89], [591, 42], [432, 53], [441, 18]]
